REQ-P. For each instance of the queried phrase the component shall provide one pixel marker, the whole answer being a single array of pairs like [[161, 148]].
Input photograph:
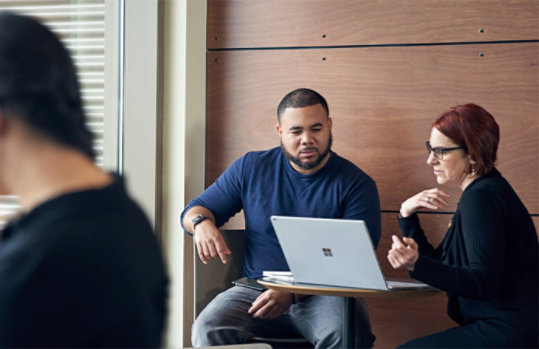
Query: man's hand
[[209, 242], [270, 304], [207, 237], [403, 254]]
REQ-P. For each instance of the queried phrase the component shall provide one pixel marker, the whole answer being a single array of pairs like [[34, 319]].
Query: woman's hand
[[403, 254], [433, 199]]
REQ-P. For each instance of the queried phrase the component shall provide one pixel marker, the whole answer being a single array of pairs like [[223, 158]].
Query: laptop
[[335, 252]]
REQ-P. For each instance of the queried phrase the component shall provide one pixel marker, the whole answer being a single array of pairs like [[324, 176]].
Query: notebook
[[336, 252]]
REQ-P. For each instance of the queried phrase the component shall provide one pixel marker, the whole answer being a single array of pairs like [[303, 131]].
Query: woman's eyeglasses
[[439, 152]]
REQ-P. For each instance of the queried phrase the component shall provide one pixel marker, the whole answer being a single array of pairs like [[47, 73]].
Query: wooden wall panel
[[383, 101], [303, 23], [396, 321]]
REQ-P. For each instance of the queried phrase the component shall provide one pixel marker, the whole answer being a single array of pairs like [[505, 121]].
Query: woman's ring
[[428, 199]]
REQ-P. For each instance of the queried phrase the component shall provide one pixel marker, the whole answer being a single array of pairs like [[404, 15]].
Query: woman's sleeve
[[411, 228], [482, 230]]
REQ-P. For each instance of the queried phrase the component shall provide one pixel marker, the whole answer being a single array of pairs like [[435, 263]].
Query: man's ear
[[279, 129], [330, 122]]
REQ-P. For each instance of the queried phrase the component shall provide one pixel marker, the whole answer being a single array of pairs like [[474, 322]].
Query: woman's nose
[[431, 159]]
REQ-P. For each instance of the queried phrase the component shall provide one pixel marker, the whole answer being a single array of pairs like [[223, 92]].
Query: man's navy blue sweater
[[263, 183]]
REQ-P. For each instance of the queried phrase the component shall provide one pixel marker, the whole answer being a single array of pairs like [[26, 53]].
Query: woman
[[488, 260]]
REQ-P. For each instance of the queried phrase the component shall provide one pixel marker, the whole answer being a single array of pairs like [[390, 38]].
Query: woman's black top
[[488, 260]]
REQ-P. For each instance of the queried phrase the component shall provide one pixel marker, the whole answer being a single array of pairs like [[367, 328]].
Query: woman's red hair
[[472, 126]]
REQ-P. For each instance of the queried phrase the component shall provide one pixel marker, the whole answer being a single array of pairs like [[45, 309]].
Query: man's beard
[[311, 164]]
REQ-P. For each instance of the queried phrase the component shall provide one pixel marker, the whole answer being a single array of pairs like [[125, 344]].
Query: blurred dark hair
[[472, 126], [38, 82], [301, 97]]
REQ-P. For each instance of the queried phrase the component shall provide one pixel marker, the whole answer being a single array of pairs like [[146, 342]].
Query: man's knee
[[332, 338], [224, 320], [201, 331], [208, 330]]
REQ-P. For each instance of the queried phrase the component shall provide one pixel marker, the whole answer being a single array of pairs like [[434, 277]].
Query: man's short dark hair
[[302, 97], [38, 82]]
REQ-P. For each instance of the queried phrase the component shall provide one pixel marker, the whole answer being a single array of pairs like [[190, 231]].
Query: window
[[81, 25]]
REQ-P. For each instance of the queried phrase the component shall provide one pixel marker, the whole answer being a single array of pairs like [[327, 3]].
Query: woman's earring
[[473, 170]]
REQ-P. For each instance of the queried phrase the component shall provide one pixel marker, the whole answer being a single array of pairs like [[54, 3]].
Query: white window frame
[[184, 152], [165, 100], [140, 127], [113, 42]]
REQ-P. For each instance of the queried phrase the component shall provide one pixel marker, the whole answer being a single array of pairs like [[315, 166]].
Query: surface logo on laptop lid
[[327, 252]]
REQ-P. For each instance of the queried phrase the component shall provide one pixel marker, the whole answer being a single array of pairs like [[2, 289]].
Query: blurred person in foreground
[[80, 266], [487, 261]]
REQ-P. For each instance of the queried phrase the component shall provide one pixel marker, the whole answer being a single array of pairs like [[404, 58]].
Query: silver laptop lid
[[327, 251]]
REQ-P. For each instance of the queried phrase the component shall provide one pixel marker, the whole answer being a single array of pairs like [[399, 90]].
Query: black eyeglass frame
[[439, 152]]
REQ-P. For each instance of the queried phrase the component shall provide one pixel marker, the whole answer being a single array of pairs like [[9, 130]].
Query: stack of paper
[[278, 275]]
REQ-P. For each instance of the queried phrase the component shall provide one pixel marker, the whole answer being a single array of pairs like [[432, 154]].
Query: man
[[80, 266], [305, 178]]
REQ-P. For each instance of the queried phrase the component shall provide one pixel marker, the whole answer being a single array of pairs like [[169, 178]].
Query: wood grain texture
[[396, 321], [304, 23], [382, 101]]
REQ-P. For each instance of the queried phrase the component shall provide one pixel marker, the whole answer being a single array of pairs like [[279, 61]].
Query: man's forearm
[[193, 212]]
